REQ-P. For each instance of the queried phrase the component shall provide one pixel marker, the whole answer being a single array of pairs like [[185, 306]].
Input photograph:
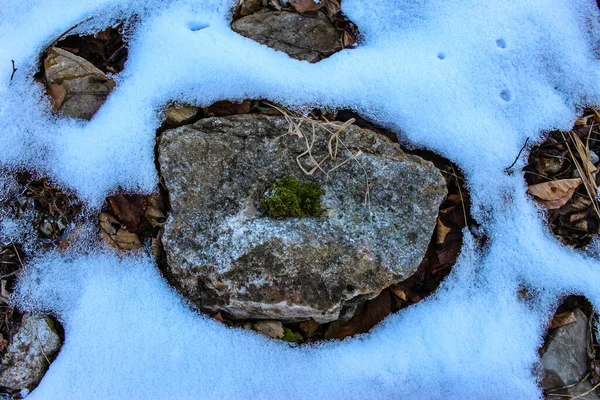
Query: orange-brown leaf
[[307, 5], [555, 190]]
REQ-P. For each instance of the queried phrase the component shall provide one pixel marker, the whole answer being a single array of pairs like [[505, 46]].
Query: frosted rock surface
[[303, 37], [226, 255], [25, 361]]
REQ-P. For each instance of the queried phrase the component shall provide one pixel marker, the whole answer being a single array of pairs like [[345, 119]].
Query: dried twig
[[508, 169], [333, 130], [69, 30], [14, 69]]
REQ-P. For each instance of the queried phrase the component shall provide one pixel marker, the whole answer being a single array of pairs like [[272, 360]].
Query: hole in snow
[[441, 55], [506, 95], [195, 26], [501, 43]]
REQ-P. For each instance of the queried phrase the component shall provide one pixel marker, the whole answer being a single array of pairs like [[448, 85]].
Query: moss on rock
[[290, 198]]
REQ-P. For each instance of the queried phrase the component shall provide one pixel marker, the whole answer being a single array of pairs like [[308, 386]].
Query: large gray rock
[[303, 37], [225, 255], [78, 89], [26, 358], [565, 360]]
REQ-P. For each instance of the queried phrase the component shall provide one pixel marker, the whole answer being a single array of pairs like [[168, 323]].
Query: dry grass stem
[[309, 130], [585, 168]]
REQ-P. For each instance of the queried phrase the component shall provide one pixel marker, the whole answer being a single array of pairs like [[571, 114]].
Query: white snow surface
[[469, 79]]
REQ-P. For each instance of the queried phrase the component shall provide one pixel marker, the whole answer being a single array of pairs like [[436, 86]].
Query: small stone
[[225, 254], [272, 329], [77, 87], [303, 37], [594, 157], [177, 115], [26, 358], [565, 359]]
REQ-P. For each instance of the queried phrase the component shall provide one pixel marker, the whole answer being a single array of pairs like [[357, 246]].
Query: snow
[[468, 79]]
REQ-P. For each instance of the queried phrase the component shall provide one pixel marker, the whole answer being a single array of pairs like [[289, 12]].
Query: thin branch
[[508, 169], [13, 71]]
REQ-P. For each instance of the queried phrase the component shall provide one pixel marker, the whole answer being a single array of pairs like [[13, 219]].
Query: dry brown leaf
[[332, 7], [374, 312], [3, 343], [563, 319], [348, 39], [441, 231], [58, 93], [307, 5], [555, 192], [309, 326], [226, 108], [128, 211], [401, 294], [120, 239], [219, 317]]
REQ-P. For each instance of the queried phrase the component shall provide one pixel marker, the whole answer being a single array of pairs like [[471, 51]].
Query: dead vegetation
[[562, 176]]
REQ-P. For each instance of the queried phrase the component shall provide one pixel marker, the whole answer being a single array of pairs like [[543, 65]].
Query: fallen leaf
[[373, 313], [348, 39], [128, 211], [226, 108], [309, 326], [441, 231], [3, 343], [563, 319], [399, 292], [58, 94], [555, 194], [307, 5], [120, 239], [332, 7], [218, 317]]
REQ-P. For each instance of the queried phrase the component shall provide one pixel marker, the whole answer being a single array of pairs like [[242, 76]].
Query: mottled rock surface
[[78, 89], [565, 360], [225, 255], [303, 37], [26, 358]]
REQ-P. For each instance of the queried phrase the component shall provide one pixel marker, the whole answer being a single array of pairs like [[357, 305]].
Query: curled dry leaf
[[58, 94], [555, 194], [348, 39], [112, 233], [563, 319], [307, 5], [128, 211]]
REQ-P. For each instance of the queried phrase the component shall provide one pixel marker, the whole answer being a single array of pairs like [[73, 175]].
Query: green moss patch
[[290, 198]]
